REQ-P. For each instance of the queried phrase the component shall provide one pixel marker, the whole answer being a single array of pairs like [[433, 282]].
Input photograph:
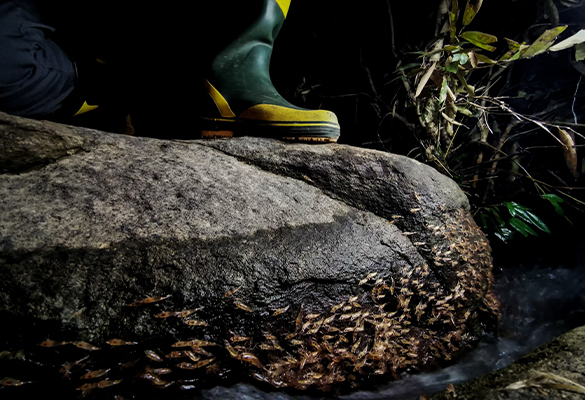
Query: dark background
[[345, 52], [339, 56], [342, 48]]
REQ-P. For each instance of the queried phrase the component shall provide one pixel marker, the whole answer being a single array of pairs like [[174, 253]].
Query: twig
[[393, 47], [521, 117], [400, 118], [575, 99], [503, 138], [369, 74], [550, 147]]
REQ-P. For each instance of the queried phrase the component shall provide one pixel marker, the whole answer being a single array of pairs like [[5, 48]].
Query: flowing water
[[540, 300]]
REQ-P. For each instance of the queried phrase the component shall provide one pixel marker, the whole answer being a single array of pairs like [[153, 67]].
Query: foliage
[[477, 138], [488, 96], [521, 219]]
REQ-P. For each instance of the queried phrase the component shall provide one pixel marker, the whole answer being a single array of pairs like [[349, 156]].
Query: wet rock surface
[[311, 267]]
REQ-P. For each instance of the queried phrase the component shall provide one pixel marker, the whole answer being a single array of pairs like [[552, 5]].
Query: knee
[[35, 73]]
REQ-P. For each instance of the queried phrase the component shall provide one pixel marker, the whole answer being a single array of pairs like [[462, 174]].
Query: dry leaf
[[544, 42], [470, 11], [473, 59], [577, 38], [569, 152], [425, 78], [543, 380]]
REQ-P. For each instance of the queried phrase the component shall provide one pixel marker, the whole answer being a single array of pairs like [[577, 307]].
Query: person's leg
[[36, 75], [43, 77]]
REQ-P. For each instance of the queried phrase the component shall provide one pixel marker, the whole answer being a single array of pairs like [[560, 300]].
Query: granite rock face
[[302, 266]]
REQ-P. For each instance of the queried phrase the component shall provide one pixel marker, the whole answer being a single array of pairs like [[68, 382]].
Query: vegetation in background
[[472, 135], [457, 102]]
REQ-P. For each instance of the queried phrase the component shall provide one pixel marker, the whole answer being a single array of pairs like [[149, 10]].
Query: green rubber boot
[[243, 98]]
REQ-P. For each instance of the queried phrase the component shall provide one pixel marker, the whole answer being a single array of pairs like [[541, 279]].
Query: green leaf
[[545, 41], [504, 234], [464, 111], [496, 213], [453, 20], [534, 220], [471, 11], [444, 88], [461, 58], [514, 208], [555, 200], [469, 88], [580, 52], [524, 213], [480, 39], [514, 50], [484, 220], [513, 45], [452, 67], [484, 59], [515, 56], [521, 227]]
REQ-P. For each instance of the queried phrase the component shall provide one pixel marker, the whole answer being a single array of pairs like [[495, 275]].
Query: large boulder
[[299, 265]]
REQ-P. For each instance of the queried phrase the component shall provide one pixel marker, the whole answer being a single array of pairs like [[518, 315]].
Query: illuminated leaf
[[444, 88], [470, 89], [534, 220], [473, 59], [452, 67], [524, 213], [569, 151], [513, 45], [425, 78], [484, 59], [516, 56], [543, 43], [504, 234], [522, 227], [464, 111], [453, 19], [480, 39], [571, 41], [514, 50], [471, 11], [580, 52], [461, 58]]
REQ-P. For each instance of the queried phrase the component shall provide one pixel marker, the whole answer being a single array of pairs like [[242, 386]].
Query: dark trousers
[[36, 75]]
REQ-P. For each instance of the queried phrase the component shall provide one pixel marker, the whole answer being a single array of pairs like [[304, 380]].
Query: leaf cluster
[[471, 135]]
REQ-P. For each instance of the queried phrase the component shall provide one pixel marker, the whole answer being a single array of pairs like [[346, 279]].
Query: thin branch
[[391, 17], [575, 99]]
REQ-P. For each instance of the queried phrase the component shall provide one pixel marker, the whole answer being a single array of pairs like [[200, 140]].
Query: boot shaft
[[240, 69]]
